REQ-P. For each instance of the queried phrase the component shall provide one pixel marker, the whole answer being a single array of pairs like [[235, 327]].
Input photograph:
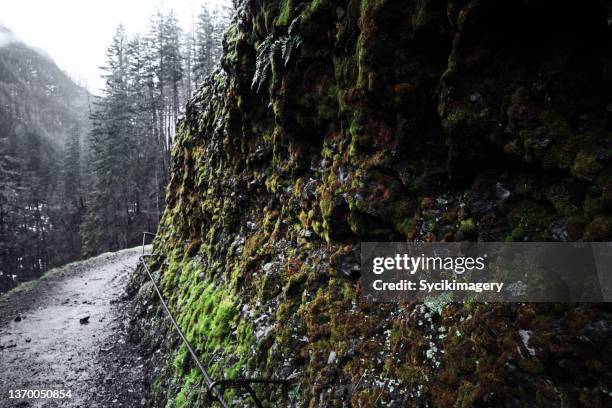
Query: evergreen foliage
[[80, 175]]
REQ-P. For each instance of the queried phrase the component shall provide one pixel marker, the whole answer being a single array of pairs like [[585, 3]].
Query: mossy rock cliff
[[336, 122]]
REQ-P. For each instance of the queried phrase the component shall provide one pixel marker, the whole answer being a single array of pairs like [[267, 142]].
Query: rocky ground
[[67, 331]]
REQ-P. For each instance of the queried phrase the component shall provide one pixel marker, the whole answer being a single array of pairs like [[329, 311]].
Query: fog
[[6, 37], [76, 33]]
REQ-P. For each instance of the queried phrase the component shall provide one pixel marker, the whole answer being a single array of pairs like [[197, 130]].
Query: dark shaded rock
[[597, 333], [392, 120]]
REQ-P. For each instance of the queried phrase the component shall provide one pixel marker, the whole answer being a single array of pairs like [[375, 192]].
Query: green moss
[[350, 133], [284, 16], [464, 126], [585, 165], [186, 398], [551, 143], [468, 227], [559, 196], [530, 221], [600, 229]]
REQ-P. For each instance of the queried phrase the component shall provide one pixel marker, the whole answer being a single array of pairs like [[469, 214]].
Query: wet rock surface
[[335, 123], [67, 331]]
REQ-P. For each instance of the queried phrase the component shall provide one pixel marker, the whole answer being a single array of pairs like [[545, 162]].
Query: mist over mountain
[[36, 93], [6, 36], [44, 116]]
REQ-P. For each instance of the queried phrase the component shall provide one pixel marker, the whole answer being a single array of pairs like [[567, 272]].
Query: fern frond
[[283, 47]]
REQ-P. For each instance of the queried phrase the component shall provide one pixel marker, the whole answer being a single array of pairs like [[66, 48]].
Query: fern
[[263, 63], [271, 48], [293, 43]]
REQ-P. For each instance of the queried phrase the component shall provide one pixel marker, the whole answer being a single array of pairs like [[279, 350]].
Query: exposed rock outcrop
[[339, 122]]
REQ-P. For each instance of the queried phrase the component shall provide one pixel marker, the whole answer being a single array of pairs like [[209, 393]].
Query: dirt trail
[[45, 344]]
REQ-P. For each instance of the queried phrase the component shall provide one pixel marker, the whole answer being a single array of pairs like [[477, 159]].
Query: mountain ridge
[[43, 115]]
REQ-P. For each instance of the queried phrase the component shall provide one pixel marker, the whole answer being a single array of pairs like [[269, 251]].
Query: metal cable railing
[[215, 388]]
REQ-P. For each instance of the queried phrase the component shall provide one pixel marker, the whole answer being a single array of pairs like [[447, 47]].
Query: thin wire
[[244, 383], [209, 381]]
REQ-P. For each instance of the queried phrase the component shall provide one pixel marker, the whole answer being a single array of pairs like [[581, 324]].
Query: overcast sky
[[76, 33]]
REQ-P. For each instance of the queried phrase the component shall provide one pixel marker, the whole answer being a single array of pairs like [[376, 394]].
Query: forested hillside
[[43, 122], [83, 174], [337, 122]]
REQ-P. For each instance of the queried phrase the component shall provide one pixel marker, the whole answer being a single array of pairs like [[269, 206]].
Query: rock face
[[339, 122]]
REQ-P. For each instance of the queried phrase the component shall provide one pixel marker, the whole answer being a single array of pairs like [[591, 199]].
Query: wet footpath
[[63, 339]]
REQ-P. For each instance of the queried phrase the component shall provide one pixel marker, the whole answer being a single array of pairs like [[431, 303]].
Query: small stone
[[501, 192], [267, 268], [84, 320], [542, 142], [332, 357], [558, 231], [18, 319]]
